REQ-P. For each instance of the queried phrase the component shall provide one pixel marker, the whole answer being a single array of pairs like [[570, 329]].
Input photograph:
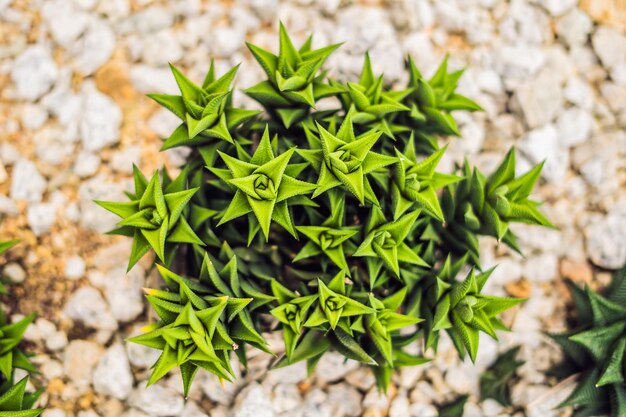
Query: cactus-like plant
[[497, 380], [595, 348], [353, 225], [14, 400]]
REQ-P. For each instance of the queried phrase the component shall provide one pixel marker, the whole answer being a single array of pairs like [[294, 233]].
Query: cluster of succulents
[[15, 401], [331, 226], [595, 349]]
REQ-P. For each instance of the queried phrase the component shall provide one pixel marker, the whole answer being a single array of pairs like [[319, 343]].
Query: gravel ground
[[551, 75]]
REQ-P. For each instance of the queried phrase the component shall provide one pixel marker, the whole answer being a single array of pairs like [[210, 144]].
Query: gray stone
[[332, 367], [193, 410], [88, 306], [558, 7], [33, 116], [286, 398], [575, 27], [541, 268], [26, 183], [543, 144], [574, 126], [609, 45], [86, 164], [160, 48], [79, 359], [124, 293], [74, 268], [157, 401], [253, 401], [34, 72], [152, 19], [14, 272], [65, 22], [95, 47], [344, 401], [606, 240], [147, 79], [56, 341], [123, 160], [399, 406], [540, 99], [40, 218], [579, 92], [101, 120], [423, 410], [113, 376]]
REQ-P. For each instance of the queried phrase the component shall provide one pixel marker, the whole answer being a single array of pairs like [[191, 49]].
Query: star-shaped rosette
[[460, 308], [190, 333], [262, 186], [16, 402], [227, 282], [384, 323], [487, 205], [431, 101], [293, 85], [206, 112], [335, 307], [415, 184], [292, 311], [385, 241], [344, 159], [155, 216], [330, 236], [375, 106]]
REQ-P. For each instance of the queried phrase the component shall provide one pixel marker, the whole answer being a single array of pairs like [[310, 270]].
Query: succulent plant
[[496, 381], [458, 307], [595, 349], [348, 202], [14, 400], [486, 205], [154, 216], [454, 408]]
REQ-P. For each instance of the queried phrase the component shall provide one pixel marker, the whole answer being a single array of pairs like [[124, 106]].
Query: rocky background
[[551, 75]]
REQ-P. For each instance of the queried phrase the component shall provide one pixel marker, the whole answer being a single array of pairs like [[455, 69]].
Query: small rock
[[87, 164], [95, 47], [192, 410], [399, 406], [94, 217], [113, 375], [65, 22], [33, 116], [74, 267], [491, 408], [423, 410], [578, 91], [88, 306], [124, 294], [226, 41], [79, 359], [157, 401], [34, 72], [574, 27], [332, 367], [139, 355], [558, 7], [574, 126], [344, 401], [123, 160], [56, 341], [101, 120], [606, 241], [286, 398], [541, 268], [540, 99], [253, 401], [51, 369], [88, 413], [147, 79], [610, 46], [161, 48], [41, 217], [543, 144], [53, 412], [27, 183], [14, 272]]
